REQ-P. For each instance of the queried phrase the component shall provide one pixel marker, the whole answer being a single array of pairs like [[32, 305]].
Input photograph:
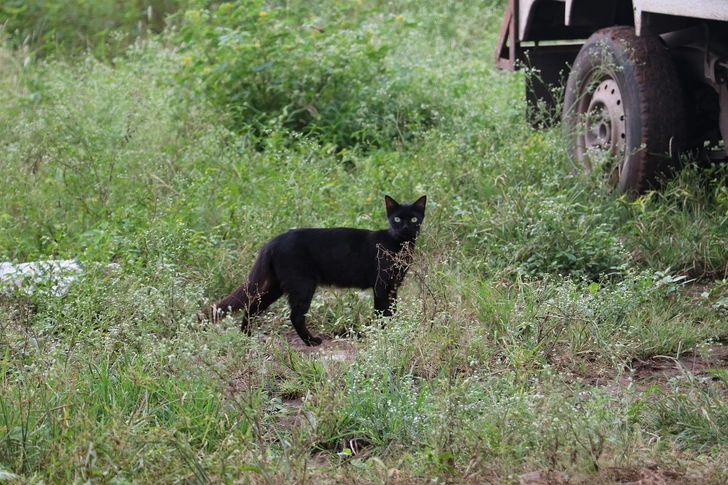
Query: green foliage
[[526, 329], [328, 74], [561, 234], [86, 169], [692, 410], [684, 226], [70, 27]]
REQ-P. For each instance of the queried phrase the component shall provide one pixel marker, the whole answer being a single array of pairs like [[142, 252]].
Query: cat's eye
[[397, 219], [414, 219]]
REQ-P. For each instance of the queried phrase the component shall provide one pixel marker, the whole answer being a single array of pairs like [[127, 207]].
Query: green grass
[[536, 297]]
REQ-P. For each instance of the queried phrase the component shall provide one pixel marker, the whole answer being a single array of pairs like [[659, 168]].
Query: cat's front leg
[[299, 323], [384, 301]]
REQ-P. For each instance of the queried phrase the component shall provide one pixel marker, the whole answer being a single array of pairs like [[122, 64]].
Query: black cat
[[298, 261]]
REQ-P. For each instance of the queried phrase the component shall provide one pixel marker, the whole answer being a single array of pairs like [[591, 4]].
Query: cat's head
[[405, 219]]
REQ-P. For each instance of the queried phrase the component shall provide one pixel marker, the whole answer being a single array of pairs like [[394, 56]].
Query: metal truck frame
[[646, 80]]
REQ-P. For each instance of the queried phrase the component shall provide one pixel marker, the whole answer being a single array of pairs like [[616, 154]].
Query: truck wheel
[[623, 109]]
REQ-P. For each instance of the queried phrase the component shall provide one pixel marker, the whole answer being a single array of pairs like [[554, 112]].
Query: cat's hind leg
[[260, 290], [299, 300], [260, 301]]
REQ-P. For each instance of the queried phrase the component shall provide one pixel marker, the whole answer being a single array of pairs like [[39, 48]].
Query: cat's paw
[[313, 341]]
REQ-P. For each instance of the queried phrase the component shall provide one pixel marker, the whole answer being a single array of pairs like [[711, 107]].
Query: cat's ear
[[420, 203], [390, 203]]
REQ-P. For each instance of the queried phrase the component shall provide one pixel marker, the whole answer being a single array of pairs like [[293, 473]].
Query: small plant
[[693, 409]]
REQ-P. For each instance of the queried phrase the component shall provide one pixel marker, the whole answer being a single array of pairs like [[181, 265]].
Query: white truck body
[[549, 36]]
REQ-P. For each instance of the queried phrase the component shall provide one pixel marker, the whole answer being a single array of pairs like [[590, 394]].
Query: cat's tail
[[247, 297]]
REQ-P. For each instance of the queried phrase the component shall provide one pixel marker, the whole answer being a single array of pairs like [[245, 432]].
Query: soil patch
[[658, 370], [337, 349]]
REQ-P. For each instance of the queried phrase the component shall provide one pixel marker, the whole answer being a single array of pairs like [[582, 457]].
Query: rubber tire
[[652, 98]]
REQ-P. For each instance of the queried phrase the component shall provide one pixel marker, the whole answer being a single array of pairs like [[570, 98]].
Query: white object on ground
[[54, 275]]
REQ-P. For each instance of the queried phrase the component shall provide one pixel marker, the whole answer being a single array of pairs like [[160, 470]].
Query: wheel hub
[[605, 129]]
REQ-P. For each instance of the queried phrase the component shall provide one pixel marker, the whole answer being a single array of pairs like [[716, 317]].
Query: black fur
[[296, 262]]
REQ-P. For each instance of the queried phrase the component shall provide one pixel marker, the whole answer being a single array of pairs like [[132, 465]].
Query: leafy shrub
[[279, 68], [559, 235], [683, 226]]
